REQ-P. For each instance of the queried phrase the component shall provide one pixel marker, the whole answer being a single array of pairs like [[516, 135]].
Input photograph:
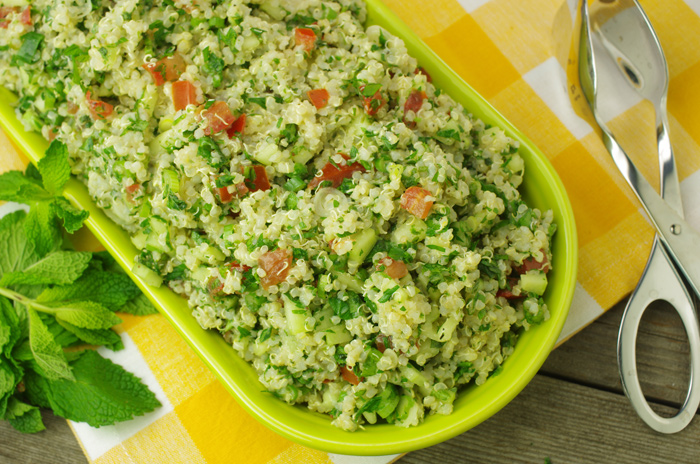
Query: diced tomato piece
[[98, 108], [420, 70], [26, 16], [305, 37], [131, 191], [374, 103], [531, 263], [414, 200], [219, 117], [238, 266], [6, 10], [168, 69], [414, 102], [319, 97], [4, 13], [237, 126], [156, 71], [382, 343], [184, 93], [393, 268], [133, 187], [349, 375], [224, 195], [276, 265], [216, 287], [241, 189], [256, 178], [507, 292], [336, 173]]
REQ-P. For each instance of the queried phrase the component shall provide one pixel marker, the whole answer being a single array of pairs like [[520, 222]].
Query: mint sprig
[[54, 302]]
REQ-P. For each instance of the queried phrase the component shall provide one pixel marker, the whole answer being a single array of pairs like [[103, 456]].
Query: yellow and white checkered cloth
[[511, 52]]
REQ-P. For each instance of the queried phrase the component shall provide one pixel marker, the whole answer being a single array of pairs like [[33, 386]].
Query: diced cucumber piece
[[164, 124], [265, 153], [171, 181], [516, 164], [338, 335], [445, 396], [250, 43], [446, 330], [213, 253], [350, 281], [370, 417], [404, 407], [323, 318], [389, 401], [363, 243], [139, 240], [157, 145], [201, 274], [149, 100], [159, 238], [410, 231], [323, 282], [296, 316], [145, 211], [449, 134], [274, 10], [413, 375], [148, 275], [476, 222], [302, 155], [534, 281]]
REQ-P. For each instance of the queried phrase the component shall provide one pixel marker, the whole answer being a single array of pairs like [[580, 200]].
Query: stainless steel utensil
[[620, 31]]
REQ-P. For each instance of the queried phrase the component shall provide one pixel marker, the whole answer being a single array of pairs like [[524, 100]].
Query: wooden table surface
[[573, 411]]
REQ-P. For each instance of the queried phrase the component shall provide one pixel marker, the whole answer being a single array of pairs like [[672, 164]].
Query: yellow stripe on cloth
[[684, 100], [165, 441], [176, 367], [677, 27], [521, 30], [466, 48], [533, 117], [426, 18], [233, 436]]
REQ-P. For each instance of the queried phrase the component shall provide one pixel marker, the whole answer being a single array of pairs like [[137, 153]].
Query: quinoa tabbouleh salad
[[353, 232]]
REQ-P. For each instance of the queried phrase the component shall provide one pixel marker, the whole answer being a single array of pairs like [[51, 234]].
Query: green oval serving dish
[[541, 188]]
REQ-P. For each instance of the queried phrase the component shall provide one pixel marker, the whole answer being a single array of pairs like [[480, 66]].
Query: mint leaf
[[36, 389], [14, 186], [110, 289], [85, 314], [71, 216], [139, 306], [24, 417], [103, 393], [54, 167], [64, 338], [40, 228], [59, 267], [6, 332], [99, 337], [16, 252], [8, 382], [47, 353]]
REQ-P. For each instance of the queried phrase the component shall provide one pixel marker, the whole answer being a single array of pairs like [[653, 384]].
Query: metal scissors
[[622, 29]]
